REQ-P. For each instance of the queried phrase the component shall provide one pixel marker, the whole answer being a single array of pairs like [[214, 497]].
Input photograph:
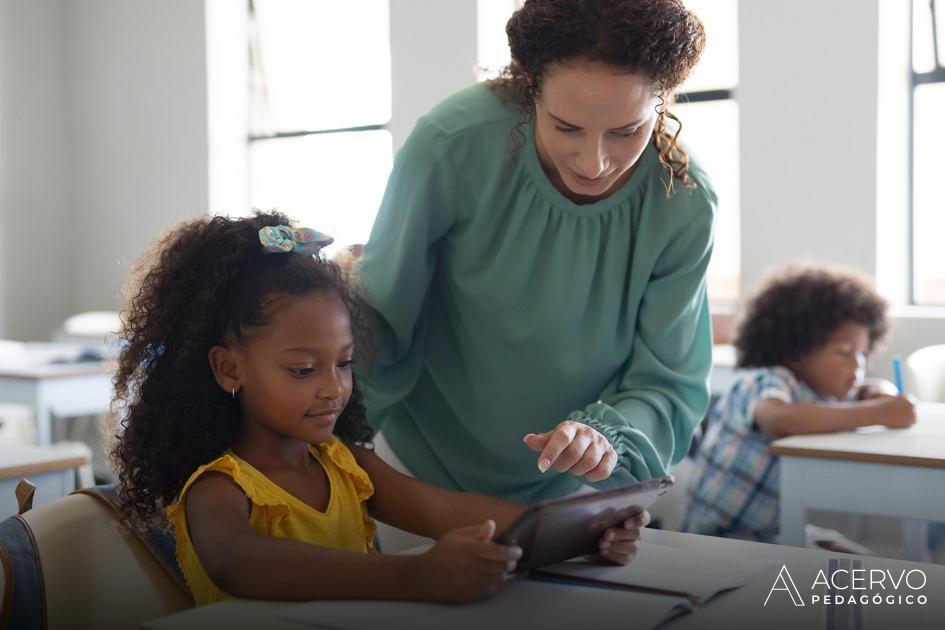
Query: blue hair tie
[[282, 239]]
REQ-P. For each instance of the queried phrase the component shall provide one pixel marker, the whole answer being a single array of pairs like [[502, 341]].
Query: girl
[[801, 345], [242, 418]]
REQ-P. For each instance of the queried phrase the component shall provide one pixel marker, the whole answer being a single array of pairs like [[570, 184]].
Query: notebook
[[697, 575]]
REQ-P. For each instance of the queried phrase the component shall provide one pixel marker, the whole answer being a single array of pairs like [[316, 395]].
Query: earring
[[233, 392]]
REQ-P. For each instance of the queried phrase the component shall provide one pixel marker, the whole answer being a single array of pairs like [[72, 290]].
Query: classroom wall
[[105, 116], [34, 168]]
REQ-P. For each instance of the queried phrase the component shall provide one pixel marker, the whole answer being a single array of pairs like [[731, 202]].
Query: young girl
[[801, 345], [242, 418]]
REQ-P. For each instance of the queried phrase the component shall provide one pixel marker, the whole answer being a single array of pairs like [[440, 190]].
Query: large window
[[319, 148], [928, 157], [706, 106]]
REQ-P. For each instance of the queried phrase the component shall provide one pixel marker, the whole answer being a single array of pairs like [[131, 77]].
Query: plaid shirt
[[736, 481]]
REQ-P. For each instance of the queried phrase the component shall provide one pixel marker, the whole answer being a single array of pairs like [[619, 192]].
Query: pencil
[[897, 370]]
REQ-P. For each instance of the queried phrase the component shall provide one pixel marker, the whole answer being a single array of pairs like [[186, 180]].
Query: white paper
[[520, 603], [699, 573]]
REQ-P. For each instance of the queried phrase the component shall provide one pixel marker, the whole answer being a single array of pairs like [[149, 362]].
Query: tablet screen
[[560, 529]]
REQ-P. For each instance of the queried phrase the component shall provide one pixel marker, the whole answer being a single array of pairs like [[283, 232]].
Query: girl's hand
[[466, 566], [619, 544], [576, 448]]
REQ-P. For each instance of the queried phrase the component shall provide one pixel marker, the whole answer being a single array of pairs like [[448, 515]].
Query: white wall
[[103, 143], [823, 122], [433, 54], [140, 159], [104, 111], [34, 168]]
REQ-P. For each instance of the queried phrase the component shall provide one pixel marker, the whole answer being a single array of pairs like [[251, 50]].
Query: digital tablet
[[560, 529]]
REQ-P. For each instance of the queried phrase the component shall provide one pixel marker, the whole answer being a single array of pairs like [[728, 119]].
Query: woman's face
[[591, 126]]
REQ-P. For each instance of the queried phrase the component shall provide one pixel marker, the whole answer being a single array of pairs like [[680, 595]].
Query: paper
[[520, 603], [699, 574]]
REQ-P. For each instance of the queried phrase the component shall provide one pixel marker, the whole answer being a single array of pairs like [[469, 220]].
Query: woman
[[538, 262]]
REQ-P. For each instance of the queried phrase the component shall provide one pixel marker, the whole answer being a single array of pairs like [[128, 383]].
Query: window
[[928, 160], [706, 106], [319, 148]]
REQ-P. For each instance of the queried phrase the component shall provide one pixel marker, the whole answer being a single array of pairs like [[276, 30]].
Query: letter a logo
[[787, 584]]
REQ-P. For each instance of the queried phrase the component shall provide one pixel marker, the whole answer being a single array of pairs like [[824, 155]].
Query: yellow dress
[[345, 523]]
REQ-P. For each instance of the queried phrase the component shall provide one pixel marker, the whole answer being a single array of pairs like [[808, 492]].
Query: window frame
[[936, 75]]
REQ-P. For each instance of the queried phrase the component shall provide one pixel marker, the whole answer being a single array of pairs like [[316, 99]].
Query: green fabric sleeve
[[399, 259], [649, 411]]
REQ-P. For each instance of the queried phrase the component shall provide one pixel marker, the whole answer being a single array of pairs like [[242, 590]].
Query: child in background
[[241, 417], [801, 348]]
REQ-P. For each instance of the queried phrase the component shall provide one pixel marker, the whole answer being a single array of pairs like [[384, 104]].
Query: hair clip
[[282, 239]]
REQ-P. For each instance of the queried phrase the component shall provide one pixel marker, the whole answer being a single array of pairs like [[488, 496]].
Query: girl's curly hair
[[795, 311], [659, 39], [205, 281]]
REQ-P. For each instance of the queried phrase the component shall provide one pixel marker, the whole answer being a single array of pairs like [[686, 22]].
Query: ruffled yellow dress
[[345, 523]]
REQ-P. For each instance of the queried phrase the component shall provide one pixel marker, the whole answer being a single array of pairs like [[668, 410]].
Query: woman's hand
[[465, 565], [576, 448], [619, 544]]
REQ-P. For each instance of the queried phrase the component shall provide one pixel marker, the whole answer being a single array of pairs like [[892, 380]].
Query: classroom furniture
[[95, 574], [742, 608], [884, 472], [926, 373], [62, 390], [723, 369], [52, 471]]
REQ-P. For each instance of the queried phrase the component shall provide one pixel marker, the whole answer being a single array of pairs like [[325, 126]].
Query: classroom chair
[[926, 373]]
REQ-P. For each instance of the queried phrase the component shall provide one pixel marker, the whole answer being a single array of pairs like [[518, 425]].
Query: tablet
[[560, 529]]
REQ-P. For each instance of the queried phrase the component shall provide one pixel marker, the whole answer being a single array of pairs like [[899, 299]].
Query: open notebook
[[696, 575], [520, 603], [661, 583]]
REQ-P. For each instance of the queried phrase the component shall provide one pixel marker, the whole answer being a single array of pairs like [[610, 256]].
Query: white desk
[[73, 389], [723, 368], [51, 471], [886, 472], [741, 608]]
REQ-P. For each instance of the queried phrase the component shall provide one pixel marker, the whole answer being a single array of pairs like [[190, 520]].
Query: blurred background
[[820, 122]]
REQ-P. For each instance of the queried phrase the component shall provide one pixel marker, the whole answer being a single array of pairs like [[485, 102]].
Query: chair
[[92, 573], [926, 373]]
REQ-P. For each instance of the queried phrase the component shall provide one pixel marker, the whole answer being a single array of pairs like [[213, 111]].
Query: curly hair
[[658, 39], [205, 281], [796, 310]]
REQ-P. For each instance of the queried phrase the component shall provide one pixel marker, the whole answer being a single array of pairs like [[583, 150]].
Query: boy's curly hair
[[796, 310], [659, 39], [205, 281]]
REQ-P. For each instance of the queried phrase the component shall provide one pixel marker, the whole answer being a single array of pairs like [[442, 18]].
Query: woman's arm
[[779, 419], [650, 409], [464, 566], [425, 509]]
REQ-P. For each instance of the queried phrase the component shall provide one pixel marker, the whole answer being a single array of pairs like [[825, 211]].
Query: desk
[[52, 471], [888, 472], [742, 608], [73, 389], [723, 368]]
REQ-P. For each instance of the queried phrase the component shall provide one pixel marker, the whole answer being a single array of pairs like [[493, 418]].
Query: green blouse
[[504, 308]]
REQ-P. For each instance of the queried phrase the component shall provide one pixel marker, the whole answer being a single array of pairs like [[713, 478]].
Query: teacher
[[537, 265]]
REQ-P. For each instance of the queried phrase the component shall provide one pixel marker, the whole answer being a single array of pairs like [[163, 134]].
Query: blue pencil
[[897, 370]]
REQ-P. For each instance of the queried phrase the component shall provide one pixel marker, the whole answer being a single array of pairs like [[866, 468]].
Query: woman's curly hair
[[796, 310], [659, 39], [206, 281]]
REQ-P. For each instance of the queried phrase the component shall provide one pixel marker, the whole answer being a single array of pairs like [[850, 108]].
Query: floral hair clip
[[282, 239]]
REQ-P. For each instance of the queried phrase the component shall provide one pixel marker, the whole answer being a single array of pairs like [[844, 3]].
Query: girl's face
[[591, 126], [838, 366], [295, 374]]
